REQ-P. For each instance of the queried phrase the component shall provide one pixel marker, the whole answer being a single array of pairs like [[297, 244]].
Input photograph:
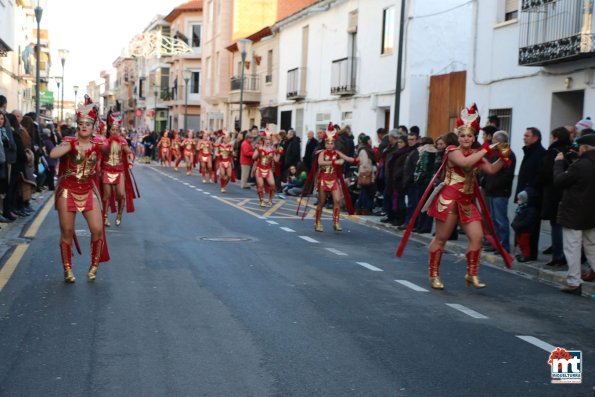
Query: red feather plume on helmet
[[469, 118]]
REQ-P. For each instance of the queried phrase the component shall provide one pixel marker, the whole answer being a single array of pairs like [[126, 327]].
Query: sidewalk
[[534, 270], [12, 234]]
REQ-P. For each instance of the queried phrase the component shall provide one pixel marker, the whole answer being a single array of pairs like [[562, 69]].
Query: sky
[[94, 32]]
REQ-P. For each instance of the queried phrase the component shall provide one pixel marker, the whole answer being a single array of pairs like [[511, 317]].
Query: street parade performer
[[116, 171], [176, 144], [189, 146], [164, 146], [205, 157], [78, 190], [327, 175], [225, 161], [265, 156], [455, 200]]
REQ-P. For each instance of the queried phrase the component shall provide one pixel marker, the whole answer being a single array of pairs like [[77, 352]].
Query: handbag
[[364, 178]]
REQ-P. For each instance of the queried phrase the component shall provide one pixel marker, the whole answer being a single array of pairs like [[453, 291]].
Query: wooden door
[[447, 98]]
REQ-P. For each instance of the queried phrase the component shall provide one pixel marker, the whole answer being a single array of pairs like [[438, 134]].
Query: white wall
[[435, 43]]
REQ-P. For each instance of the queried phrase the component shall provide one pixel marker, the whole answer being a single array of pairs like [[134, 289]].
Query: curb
[[535, 270]]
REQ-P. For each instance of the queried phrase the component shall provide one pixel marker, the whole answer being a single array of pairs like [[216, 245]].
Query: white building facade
[[532, 64], [338, 61]]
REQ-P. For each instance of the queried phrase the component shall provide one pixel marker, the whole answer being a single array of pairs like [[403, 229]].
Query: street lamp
[[38, 14], [63, 55], [243, 46], [187, 74], [155, 91]]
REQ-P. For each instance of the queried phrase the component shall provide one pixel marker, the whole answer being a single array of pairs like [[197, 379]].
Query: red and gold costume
[[225, 162], [189, 146], [176, 145], [263, 170], [78, 172], [459, 194], [116, 169], [165, 148], [78, 186], [328, 179], [205, 157]]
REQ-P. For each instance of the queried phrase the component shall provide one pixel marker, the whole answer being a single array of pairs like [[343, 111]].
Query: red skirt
[[451, 200]]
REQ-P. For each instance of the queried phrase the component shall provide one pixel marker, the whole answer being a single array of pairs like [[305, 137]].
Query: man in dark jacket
[[409, 186], [577, 211], [529, 180], [388, 177], [292, 155], [310, 150], [497, 189]]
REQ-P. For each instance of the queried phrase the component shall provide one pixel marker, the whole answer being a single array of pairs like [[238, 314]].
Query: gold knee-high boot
[[472, 267], [96, 247], [317, 222], [66, 253], [259, 191], [105, 214], [336, 224], [435, 258]]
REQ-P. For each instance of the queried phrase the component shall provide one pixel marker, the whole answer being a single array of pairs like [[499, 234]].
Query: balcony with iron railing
[[251, 89], [343, 76], [296, 83], [554, 31]]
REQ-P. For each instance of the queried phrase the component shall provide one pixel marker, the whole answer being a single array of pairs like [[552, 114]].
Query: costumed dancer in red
[[225, 160], [115, 168], [330, 180], [265, 156], [78, 190], [205, 157], [165, 148], [176, 145], [189, 145], [456, 200]]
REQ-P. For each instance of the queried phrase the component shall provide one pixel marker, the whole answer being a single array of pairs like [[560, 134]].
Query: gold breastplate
[[81, 167], [115, 154], [328, 169]]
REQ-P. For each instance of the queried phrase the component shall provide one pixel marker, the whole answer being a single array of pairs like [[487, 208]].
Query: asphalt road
[[206, 296]]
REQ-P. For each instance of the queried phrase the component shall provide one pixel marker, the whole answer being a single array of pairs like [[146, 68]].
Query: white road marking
[[192, 186], [466, 310], [186, 183], [537, 342], [287, 229], [261, 217], [308, 239], [370, 267], [199, 190], [336, 252], [272, 222], [411, 285], [215, 197], [206, 193]]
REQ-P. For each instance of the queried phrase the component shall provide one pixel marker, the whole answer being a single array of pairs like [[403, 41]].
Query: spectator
[[414, 130], [296, 186], [523, 222], [498, 189], [382, 138], [292, 153], [246, 153], [320, 134], [559, 142], [577, 211], [409, 186], [396, 164], [237, 152], [403, 130], [310, 150], [13, 202], [529, 180], [48, 145], [583, 124], [389, 174], [493, 121], [365, 178], [422, 176]]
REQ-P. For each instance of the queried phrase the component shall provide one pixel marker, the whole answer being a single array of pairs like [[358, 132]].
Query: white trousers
[[573, 239]]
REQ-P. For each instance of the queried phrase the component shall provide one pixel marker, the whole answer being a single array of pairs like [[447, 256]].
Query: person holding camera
[[576, 213]]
